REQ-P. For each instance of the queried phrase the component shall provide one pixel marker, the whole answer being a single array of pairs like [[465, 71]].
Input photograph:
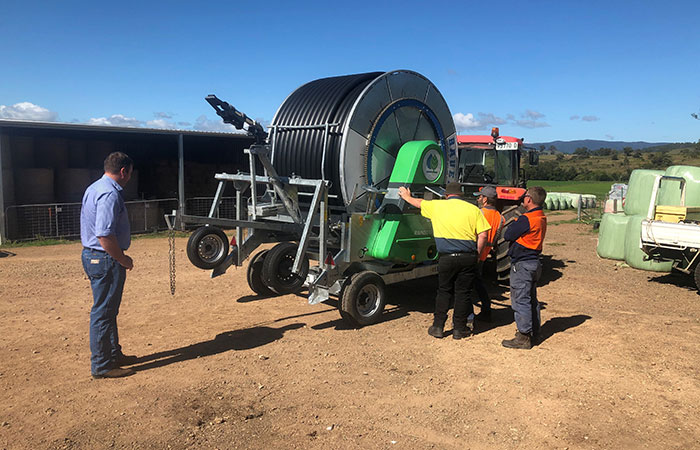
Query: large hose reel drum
[[348, 130]]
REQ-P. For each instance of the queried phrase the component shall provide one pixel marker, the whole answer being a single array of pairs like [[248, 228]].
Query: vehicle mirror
[[533, 158]]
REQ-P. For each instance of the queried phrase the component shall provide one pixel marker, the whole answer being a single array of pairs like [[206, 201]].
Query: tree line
[[607, 164]]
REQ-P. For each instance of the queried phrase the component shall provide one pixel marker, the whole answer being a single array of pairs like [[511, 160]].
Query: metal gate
[[62, 220]]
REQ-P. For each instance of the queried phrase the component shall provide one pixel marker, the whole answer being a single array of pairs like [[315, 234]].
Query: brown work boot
[[436, 331], [117, 372], [521, 341]]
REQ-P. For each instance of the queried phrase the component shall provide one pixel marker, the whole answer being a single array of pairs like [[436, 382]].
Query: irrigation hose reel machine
[[336, 153]]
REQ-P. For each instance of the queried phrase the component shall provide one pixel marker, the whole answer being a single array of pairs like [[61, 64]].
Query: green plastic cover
[[634, 256], [611, 236], [569, 197], [669, 191], [555, 196], [639, 191], [548, 202], [575, 201]]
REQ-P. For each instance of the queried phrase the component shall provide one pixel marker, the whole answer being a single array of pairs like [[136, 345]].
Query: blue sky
[[559, 70]]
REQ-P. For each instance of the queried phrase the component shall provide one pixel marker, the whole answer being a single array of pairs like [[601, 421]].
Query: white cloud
[[534, 115], [463, 121], [162, 124], [527, 123], [163, 115], [574, 117], [491, 119], [27, 111], [531, 119], [590, 118], [116, 120], [204, 124]]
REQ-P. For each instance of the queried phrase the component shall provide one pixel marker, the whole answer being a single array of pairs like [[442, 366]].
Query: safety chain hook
[[171, 242]]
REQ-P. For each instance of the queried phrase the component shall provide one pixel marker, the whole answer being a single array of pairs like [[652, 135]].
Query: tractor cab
[[491, 159]]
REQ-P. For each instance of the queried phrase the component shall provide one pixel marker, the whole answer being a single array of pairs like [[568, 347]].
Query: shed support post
[[181, 177], [3, 231]]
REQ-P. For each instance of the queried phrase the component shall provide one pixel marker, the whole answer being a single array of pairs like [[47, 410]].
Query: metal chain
[[171, 242]]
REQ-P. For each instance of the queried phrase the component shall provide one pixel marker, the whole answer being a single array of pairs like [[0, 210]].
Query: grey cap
[[487, 191]]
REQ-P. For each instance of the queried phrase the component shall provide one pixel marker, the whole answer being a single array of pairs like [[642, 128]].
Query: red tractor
[[496, 160]]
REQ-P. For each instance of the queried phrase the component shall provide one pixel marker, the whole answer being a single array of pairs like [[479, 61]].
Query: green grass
[[597, 188], [38, 242]]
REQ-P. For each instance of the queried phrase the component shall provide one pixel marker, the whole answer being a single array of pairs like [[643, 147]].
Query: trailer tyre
[[207, 247], [254, 274], [277, 269], [363, 299]]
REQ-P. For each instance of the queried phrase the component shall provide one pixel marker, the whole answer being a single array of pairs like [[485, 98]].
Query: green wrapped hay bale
[[555, 196], [558, 202], [670, 192], [568, 198], [548, 202], [634, 256], [639, 191], [611, 236]]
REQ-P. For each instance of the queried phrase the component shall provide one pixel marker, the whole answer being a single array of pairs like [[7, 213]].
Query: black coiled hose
[[300, 151]]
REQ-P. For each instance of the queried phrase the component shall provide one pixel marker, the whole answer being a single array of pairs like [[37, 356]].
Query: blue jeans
[[523, 295], [107, 279]]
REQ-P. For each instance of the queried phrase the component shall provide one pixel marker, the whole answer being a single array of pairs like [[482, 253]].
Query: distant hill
[[591, 144]]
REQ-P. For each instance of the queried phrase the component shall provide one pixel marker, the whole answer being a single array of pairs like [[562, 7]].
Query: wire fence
[[62, 220], [200, 206]]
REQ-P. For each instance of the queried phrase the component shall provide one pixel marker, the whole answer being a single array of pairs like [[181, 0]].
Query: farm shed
[[45, 167]]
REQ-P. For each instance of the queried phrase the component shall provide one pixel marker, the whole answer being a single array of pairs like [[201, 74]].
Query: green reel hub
[[404, 236]]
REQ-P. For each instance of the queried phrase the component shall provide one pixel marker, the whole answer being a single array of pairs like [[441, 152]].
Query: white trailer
[[672, 233]]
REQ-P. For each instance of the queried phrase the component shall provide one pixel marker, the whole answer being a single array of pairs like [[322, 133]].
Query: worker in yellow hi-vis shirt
[[460, 231]]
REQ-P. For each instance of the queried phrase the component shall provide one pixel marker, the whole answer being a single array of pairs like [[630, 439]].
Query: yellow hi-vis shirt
[[456, 224]]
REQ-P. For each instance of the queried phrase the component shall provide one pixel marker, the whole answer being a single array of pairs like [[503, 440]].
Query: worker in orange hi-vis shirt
[[487, 202]]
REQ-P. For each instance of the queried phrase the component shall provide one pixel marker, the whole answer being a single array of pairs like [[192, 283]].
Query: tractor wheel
[[207, 247], [277, 269], [510, 215], [254, 274], [363, 298], [697, 276]]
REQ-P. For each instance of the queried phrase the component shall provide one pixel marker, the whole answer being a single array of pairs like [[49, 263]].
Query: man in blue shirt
[[105, 234]]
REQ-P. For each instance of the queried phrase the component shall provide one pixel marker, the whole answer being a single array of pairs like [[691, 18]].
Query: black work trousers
[[455, 278], [480, 287]]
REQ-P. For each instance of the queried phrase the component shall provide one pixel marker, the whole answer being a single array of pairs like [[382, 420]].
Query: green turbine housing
[[408, 237]]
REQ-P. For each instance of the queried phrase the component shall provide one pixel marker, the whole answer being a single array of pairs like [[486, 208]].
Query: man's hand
[[111, 246], [405, 194], [127, 262]]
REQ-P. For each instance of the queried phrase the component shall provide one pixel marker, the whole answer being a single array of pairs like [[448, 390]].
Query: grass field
[[597, 188]]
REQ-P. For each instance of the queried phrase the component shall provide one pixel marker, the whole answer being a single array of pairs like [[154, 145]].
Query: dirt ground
[[618, 366]]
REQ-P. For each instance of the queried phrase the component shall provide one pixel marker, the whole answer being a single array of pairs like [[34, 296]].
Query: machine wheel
[[697, 276], [363, 298], [254, 274], [510, 215], [207, 247], [277, 269]]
